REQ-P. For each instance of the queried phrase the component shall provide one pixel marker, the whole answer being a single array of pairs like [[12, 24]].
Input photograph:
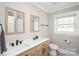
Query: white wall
[[28, 9], [60, 39]]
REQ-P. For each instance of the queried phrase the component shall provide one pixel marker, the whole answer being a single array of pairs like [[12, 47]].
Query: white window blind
[[65, 24]]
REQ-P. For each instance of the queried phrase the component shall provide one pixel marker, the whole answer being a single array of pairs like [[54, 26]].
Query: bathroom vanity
[[29, 47]]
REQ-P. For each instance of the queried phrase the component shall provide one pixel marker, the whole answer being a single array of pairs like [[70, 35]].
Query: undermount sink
[[25, 44], [17, 46]]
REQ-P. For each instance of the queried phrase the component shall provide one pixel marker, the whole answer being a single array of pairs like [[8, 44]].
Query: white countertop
[[27, 44]]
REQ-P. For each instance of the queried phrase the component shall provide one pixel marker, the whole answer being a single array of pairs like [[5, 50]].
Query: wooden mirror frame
[[6, 21], [31, 30]]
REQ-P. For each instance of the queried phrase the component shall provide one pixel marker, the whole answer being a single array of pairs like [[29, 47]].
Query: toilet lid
[[53, 46]]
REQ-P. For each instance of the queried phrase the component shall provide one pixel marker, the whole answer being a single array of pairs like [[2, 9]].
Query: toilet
[[53, 48]]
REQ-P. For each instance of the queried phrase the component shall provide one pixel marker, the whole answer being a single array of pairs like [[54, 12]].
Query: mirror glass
[[34, 23], [14, 21], [19, 23], [11, 20]]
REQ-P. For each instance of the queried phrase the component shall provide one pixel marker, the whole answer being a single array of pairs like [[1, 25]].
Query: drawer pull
[[26, 55]]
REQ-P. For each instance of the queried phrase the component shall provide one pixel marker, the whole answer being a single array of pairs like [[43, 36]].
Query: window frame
[[76, 14]]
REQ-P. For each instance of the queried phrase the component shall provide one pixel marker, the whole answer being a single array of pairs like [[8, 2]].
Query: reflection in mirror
[[14, 21], [34, 23], [11, 20], [19, 23]]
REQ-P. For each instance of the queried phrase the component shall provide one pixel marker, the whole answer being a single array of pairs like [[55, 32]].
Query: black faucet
[[36, 37], [17, 41], [21, 41], [12, 44]]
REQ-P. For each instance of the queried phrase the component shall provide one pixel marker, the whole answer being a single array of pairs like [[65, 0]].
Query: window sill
[[67, 34]]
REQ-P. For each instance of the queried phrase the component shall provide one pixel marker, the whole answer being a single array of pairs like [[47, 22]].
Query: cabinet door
[[38, 50], [31, 52], [45, 50]]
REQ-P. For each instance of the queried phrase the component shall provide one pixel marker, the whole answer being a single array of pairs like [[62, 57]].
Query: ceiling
[[53, 6]]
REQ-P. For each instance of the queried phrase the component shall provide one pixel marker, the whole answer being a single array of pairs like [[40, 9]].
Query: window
[[65, 24]]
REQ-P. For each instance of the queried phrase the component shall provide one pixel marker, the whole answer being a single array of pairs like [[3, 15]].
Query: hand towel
[[2, 41]]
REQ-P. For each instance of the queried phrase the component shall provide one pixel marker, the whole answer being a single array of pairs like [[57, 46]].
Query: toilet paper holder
[[67, 41]]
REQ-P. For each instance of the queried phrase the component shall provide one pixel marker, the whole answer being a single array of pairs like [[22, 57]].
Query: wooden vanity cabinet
[[40, 50], [44, 50]]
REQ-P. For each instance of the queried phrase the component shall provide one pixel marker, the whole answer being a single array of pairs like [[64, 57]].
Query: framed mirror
[[14, 21], [34, 24]]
